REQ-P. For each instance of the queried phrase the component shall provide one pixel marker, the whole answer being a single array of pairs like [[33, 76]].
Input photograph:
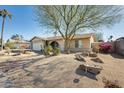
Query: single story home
[[18, 44], [78, 43]]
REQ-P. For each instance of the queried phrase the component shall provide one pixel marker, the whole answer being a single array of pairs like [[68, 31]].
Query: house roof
[[76, 36], [37, 38], [54, 38], [19, 41], [59, 37], [121, 38], [84, 35]]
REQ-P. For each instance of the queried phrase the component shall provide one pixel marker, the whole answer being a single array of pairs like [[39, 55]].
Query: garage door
[[37, 46]]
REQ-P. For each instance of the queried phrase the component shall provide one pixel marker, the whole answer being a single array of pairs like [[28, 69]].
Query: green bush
[[56, 51], [8, 50], [10, 45], [48, 50]]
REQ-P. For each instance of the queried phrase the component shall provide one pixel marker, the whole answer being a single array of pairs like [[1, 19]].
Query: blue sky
[[23, 23]]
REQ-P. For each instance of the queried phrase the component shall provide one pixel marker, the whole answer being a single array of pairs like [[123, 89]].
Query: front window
[[78, 44]]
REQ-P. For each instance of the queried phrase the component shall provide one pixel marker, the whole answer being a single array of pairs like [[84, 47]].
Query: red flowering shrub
[[105, 47]]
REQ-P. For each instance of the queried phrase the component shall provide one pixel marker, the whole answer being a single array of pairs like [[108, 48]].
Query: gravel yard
[[37, 71]]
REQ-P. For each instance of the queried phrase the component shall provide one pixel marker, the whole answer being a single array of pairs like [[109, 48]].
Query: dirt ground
[[37, 71]]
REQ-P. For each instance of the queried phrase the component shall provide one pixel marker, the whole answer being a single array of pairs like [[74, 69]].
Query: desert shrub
[[7, 50], [56, 51], [105, 47], [110, 84], [9, 45], [47, 50]]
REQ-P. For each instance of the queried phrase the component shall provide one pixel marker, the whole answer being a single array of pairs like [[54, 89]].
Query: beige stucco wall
[[91, 40], [85, 44], [60, 42]]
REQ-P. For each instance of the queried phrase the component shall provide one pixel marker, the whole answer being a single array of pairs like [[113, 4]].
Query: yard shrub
[[47, 50], [105, 47], [110, 84], [8, 50], [9, 45], [56, 51]]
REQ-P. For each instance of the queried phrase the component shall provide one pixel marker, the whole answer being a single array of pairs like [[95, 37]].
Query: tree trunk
[[67, 46], [2, 33]]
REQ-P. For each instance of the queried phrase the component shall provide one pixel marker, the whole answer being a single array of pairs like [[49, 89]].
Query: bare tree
[[70, 19], [99, 36]]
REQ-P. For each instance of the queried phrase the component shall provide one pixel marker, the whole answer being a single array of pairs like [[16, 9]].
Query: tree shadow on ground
[[32, 61], [117, 56], [26, 65], [83, 73], [38, 52], [22, 64], [39, 79]]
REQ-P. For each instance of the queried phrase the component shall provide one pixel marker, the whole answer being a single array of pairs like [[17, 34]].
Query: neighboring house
[[18, 44], [119, 46], [78, 43]]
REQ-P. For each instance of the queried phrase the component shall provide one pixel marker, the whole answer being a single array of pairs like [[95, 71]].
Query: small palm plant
[[4, 13]]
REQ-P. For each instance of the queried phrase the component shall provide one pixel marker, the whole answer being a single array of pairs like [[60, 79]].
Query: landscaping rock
[[95, 69], [80, 58], [8, 84], [98, 60], [85, 53], [2, 74], [92, 55]]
